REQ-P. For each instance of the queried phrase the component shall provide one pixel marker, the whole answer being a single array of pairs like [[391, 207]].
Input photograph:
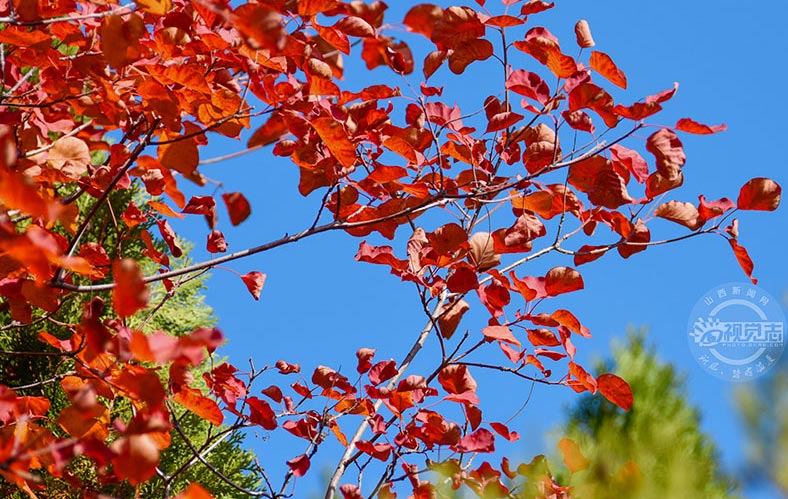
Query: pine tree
[[763, 407], [31, 368], [657, 449]]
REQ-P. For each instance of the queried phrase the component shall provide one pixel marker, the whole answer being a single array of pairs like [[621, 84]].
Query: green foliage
[[657, 449], [36, 370], [763, 407]]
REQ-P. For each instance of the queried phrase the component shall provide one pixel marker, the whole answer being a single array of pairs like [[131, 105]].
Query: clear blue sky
[[319, 305]]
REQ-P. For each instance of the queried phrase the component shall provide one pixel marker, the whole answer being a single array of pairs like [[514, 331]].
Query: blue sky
[[319, 305]]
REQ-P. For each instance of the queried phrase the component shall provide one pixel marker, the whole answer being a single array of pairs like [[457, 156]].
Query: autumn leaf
[[682, 213], [237, 206], [604, 65], [299, 465], [583, 34], [615, 390], [456, 379], [500, 333], [573, 456], [743, 257], [157, 7], [336, 139], [561, 280], [759, 194], [481, 440], [130, 293], [254, 283], [199, 404], [668, 151], [691, 126]]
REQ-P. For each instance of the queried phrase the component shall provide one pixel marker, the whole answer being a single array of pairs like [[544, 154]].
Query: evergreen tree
[[763, 407], [655, 450], [32, 368]]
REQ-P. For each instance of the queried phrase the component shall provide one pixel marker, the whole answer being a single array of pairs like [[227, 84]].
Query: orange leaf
[[194, 491], [690, 126], [604, 65], [157, 7], [130, 293], [615, 390], [120, 39], [254, 283], [500, 333], [759, 194], [336, 139], [136, 458], [199, 404], [237, 206], [181, 155], [573, 457], [355, 26]]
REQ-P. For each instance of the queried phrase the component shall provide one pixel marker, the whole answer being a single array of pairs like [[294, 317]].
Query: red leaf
[[573, 457], [456, 379], [355, 26], [462, 280], [350, 491], [682, 213], [299, 465], [690, 126], [130, 293], [561, 280], [579, 120], [169, 237], [500, 333], [604, 65], [364, 356], [615, 390], [744, 259], [447, 238], [254, 283], [632, 161], [669, 152], [216, 242], [588, 253], [380, 451], [528, 84], [502, 430], [482, 440], [535, 6], [237, 206], [713, 209], [468, 52], [543, 337], [450, 316], [274, 393], [502, 120], [382, 371], [422, 18], [639, 234], [759, 194], [261, 413]]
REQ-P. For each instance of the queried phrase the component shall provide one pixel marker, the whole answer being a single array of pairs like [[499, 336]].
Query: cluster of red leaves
[[143, 88]]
